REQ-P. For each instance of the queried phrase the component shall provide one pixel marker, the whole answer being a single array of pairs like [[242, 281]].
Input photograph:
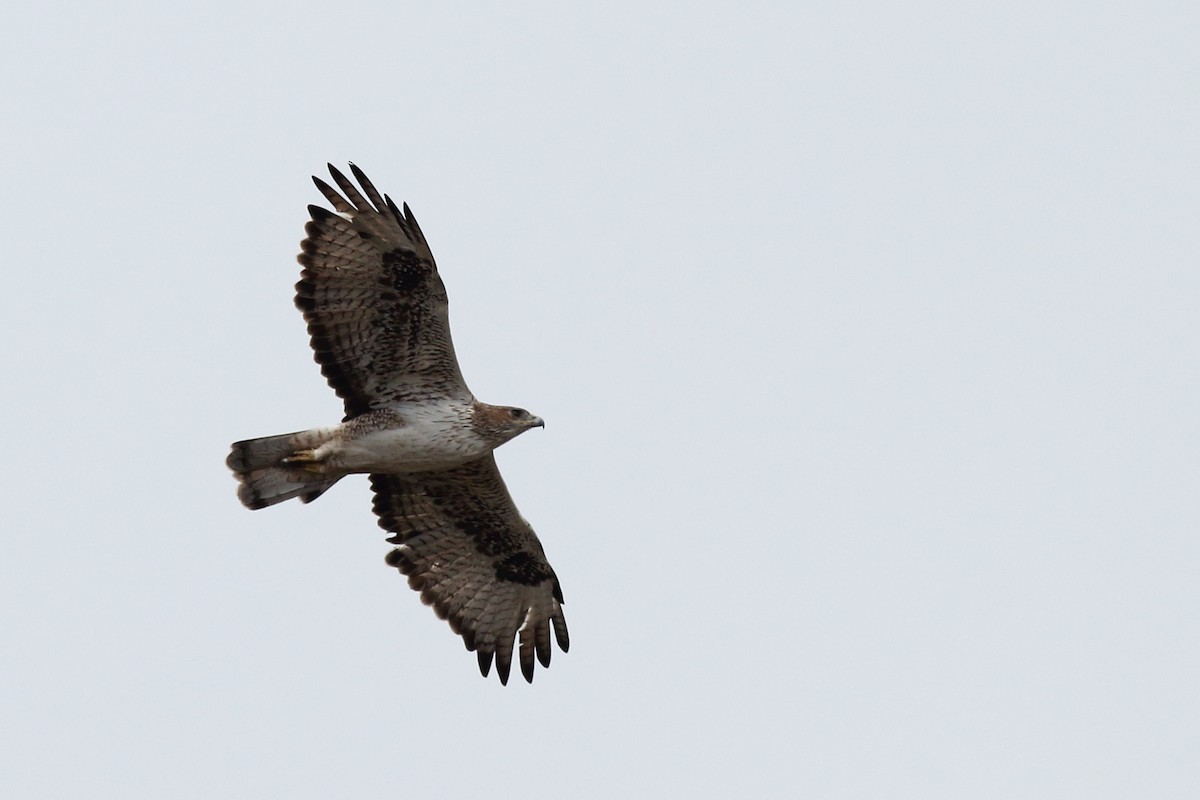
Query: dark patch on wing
[[522, 567], [408, 273]]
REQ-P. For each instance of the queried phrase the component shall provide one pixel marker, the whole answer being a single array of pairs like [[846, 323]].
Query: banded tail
[[277, 468]]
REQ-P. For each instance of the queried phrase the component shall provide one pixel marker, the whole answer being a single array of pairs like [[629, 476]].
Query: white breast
[[431, 436]]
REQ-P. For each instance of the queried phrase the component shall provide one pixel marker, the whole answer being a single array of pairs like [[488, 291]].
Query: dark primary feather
[[471, 555], [375, 305]]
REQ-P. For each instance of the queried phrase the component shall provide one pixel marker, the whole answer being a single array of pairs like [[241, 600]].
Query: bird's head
[[501, 423]]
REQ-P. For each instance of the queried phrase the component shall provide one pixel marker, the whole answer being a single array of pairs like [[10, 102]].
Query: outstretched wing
[[472, 557], [375, 305]]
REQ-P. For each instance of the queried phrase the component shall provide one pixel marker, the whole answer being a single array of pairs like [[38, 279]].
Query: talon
[[306, 460], [301, 457]]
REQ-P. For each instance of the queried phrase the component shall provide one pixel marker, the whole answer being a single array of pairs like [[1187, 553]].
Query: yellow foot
[[306, 460]]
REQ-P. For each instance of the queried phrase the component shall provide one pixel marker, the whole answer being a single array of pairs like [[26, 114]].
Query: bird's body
[[412, 437], [377, 317]]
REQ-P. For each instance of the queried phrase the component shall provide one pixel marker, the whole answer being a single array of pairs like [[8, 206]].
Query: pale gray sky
[[866, 337]]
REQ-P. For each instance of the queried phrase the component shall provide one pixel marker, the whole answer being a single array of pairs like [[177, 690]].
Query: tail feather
[[266, 477]]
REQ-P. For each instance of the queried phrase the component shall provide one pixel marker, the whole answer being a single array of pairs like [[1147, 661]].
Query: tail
[[277, 468]]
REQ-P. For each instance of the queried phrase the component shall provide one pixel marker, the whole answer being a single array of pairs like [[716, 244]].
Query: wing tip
[[323, 187], [503, 667], [559, 623], [335, 172], [318, 213]]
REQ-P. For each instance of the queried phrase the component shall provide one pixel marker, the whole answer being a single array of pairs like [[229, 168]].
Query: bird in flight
[[379, 327]]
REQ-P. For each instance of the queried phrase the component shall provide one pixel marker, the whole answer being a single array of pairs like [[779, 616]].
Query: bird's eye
[[518, 413]]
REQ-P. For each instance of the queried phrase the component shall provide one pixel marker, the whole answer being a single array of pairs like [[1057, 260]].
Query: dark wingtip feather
[[502, 670], [485, 664], [391, 204], [560, 633], [542, 644], [335, 199], [318, 214], [359, 175], [339, 177]]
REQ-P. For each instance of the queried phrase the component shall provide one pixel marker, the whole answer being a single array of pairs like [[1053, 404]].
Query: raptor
[[379, 327]]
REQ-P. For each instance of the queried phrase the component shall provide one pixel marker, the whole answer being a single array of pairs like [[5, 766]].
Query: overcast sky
[[866, 336]]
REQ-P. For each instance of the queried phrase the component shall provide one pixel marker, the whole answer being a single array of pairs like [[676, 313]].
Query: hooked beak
[[537, 422]]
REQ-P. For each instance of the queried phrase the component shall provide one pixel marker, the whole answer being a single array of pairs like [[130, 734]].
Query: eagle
[[379, 327]]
